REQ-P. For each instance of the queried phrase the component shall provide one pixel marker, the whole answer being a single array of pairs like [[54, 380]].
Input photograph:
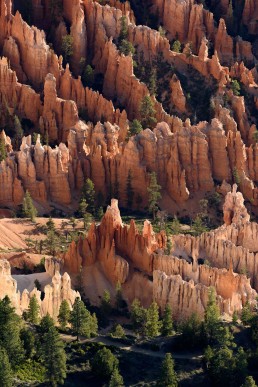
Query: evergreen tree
[[135, 128], [167, 322], [105, 305], [54, 357], [33, 312], [94, 325], [28, 341], [88, 77], [168, 377], [235, 86], [138, 315], [64, 314], [246, 315], [6, 377], [80, 319], [192, 332], [176, 46], [50, 224], [45, 325], [116, 379], [148, 113], [152, 82], [249, 382], [3, 153], [126, 48], [154, 194], [212, 318], [67, 48], [118, 332], [152, 324], [129, 190], [10, 327], [52, 243], [104, 363], [123, 29], [119, 296], [17, 140], [88, 193], [28, 208]]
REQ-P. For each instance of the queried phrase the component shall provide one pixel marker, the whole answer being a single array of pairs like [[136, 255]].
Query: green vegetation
[[28, 208], [67, 48], [33, 312], [154, 195], [64, 314], [147, 113]]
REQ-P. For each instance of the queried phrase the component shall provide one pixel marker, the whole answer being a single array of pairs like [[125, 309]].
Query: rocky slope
[[190, 158]]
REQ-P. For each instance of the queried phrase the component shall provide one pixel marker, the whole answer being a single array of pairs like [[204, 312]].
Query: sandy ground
[[27, 281]]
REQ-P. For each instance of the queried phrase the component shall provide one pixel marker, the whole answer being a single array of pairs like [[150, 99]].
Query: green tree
[[3, 153], [33, 311], [45, 325], [191, 332], [211, 317], [129, 190], [235, 86], [118, 332], [54, 357], [28, 341], [153, 194], [168, 377], [17, 139], [167, 322], [105, 305], [50, 224], [198, 225], [135, 128], [64, 314], [247, 314], [80, 319], [138, 316], [6, 377], [152, 324], [28, 208], [249, 382], [52, 242], [116, 379], [126, 48], [67, 47], [148, 113], [123, 29], [176, 46], [88, 77], [94, 325], [104, 363], [88, 193]]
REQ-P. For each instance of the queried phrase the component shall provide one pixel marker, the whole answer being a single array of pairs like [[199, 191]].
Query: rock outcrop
[[57, 290]]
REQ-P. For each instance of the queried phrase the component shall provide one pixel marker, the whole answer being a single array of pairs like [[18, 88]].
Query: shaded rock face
[[137, 260], [58, 289]]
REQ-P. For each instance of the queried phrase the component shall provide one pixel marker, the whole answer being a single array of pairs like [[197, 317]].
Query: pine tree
[[64, 314], [135, 128], [152, 324], [105, 305], [104, 363], [148, 113], [123, 29], [45, 325], [116, 379], [167, 322], [88, 193], [28, 208], [249, 382], [129, 190], [10, 327], [67, 47], [54, 357], [80, 319], [246, 315], [28, 341], [176, 46], [154, 194], [138, 315], [212, 318], [33, 312], [50, 224], [88, 77], [3, 152], [5, 369], [168, 377], [119, 296], [52, 243], [94, 325]]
